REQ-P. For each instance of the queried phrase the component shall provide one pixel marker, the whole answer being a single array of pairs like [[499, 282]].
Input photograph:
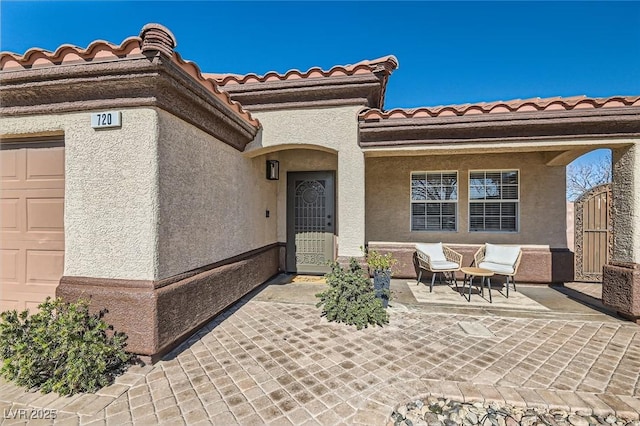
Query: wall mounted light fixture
[[273, 169]]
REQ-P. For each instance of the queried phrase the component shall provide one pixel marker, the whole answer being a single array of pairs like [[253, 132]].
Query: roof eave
[[131, 82], [359, 89], [520, 126], [148, 74]]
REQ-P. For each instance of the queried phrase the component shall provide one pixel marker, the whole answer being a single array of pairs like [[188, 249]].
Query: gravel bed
[[434, 411]]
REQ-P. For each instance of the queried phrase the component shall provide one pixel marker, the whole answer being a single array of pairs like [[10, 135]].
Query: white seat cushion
[[443, 265], [504, 255], [498, 268], [434, 251]]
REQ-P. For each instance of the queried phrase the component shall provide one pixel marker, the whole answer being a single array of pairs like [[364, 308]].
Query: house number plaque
[[101, 120]]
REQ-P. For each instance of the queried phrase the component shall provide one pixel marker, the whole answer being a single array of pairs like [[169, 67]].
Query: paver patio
[[270, 362]]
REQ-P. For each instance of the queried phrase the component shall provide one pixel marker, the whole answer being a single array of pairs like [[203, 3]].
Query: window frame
[[455, 202], [517, 201]]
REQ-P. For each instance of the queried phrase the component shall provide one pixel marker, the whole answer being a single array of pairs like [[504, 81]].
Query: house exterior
[[206, 185]]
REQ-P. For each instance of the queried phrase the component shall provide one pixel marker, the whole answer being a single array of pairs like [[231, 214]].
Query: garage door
[[32, 215]]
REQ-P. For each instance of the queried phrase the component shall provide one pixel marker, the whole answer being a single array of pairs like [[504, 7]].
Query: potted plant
[[380, 266]]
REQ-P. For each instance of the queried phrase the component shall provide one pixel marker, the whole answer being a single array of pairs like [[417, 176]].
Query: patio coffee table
[[470, 273]]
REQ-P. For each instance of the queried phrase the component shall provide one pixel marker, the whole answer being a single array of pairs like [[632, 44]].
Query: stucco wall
[[542, 199], [111, 201], [297, 160], [213, 200], [335, 128], [571, 225]]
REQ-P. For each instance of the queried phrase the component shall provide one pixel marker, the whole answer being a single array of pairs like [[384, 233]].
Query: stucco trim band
[[247, 255], [124, 83], [621, 288], [158, 315], [360, 89]]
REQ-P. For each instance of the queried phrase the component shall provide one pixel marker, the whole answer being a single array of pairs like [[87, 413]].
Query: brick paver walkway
[[277, 363]]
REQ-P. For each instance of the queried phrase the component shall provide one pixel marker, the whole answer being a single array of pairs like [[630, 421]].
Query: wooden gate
[[593, 233]]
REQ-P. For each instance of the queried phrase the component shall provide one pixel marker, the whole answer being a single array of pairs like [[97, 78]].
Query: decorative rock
[[529, 420], [444, 412], [397, 418], [577, 420], [431, 418], [435, 408]]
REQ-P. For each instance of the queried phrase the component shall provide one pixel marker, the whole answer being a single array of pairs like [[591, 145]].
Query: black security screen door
[[310, 221]]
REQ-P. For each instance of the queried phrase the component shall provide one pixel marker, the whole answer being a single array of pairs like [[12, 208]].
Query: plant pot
[[381, 284]]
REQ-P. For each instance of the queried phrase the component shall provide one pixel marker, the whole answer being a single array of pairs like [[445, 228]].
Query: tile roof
[[193, 70], [513, 106], [67, 54], [386, 63], [100, 50]]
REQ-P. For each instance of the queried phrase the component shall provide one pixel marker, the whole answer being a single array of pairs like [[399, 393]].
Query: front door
[[310, 221]]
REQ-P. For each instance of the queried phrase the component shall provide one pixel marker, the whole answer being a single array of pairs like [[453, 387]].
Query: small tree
[[582, 177]]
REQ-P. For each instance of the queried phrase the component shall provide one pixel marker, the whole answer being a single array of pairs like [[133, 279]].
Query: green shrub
[[62, 348], [350, 298]]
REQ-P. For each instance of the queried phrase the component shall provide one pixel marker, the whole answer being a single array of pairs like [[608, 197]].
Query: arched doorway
[[593, 233]]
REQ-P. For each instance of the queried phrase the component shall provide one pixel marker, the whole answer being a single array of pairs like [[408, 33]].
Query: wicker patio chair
[[501, 260], [438, 259]]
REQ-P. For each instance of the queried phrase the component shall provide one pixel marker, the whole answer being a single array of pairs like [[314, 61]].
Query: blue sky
[[449, 53]]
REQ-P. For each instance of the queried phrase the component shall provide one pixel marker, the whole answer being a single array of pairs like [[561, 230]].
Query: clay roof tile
[[386, 64], [153, 37], [512, 106]]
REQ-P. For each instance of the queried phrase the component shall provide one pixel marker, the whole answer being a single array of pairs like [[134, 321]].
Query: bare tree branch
[[583, 177]]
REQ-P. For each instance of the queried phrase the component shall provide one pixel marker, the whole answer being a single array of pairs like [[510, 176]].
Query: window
[[434, 201], [493, 200]]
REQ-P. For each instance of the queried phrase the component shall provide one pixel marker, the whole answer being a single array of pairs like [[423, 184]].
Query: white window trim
[[456, 202], [469, 201]]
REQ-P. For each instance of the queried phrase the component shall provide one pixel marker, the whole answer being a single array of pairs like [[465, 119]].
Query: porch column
[[621, 278], [351, 209]]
